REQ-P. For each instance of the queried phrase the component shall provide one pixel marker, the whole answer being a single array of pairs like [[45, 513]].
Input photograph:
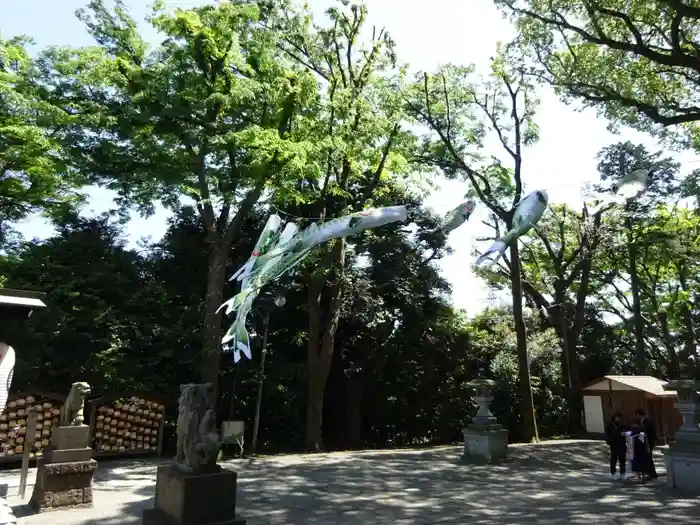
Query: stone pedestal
[[63, 485], [65, 473], [484, 437], [682, 458], [69, 444], [193, 499]]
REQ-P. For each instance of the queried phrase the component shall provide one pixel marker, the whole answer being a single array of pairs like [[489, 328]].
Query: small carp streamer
[[456, 217], [628, 189], [274, 255], [527, 214]]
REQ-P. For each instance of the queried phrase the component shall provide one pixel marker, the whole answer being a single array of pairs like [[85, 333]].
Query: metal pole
[[258, 402]]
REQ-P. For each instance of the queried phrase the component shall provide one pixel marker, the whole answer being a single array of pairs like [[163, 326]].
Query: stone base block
[[193, 499], [682, 470], [63, 485], [73, 437], [70, 455], [486, 443]]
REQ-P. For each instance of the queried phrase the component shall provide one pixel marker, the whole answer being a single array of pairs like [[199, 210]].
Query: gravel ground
[[555, 482]]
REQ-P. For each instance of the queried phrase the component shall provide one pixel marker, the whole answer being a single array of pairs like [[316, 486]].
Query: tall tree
[[556, 272], [177, 280], [680, 234], [461, 111], [209, 115], [393, 287], [95, 288], [358, 127], [665, 244], [615, 161], [638, 62], [34, 174], [492, 334]]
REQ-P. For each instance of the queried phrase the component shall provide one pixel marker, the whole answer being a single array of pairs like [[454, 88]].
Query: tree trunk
[[354, 394], [671, 356], [323, 323], [316, 388], [640, 357], [527, 405], [568, 357], [211, 348], [576, 399], [686, 363]]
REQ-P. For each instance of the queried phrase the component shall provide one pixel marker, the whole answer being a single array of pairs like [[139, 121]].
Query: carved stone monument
[[65, 473], [484, 437], [195, 490], [682, 458]]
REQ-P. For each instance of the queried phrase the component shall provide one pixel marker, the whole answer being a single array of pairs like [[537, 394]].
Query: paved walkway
[[552, 483]]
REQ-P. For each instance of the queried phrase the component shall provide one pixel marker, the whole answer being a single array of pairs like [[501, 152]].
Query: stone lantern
[[682, 458], [484, 437]]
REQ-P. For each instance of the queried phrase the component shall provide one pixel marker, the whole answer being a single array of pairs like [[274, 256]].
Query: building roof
[[21, 298], [648, 384]]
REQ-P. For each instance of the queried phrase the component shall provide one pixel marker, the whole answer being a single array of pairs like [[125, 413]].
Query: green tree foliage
[[461, 111], [492, 333], [636, 61], [669, 288], [35, 175], [96, 294], [556, 268], [126, 321], [361, 146], [208, 115], [395, 309], [614, 162], [664, 243], [252, 107]]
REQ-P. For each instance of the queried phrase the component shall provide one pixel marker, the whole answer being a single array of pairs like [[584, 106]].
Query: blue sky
[[427, 35]]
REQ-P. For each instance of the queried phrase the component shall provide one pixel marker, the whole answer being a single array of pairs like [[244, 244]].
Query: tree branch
[[675, 56], [475, 178]]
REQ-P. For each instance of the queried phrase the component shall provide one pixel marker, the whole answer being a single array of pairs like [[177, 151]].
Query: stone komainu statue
[[72, 409], [198, 443]]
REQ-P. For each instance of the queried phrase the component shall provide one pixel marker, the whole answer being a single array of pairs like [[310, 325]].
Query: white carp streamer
[[527, 214], [456, 217], [627, 190], [274, 255]]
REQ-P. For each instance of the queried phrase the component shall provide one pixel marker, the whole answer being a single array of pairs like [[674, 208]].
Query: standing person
[[651, 435], [640, 447], [617, 442]]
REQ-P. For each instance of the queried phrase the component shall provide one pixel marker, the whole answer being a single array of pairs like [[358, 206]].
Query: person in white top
[[7, 367]]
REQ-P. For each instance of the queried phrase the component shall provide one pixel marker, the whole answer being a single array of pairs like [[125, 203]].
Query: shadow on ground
[[549, 483], [562, 482]]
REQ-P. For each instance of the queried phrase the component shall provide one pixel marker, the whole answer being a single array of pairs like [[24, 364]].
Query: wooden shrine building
[[19, 304], [609, 394]]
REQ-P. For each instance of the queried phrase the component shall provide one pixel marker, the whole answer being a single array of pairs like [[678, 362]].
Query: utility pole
[[279, 301]]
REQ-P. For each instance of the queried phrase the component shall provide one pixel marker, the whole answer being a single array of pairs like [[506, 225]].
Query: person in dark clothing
[[640, 448], [617, 441], [651, 437]]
